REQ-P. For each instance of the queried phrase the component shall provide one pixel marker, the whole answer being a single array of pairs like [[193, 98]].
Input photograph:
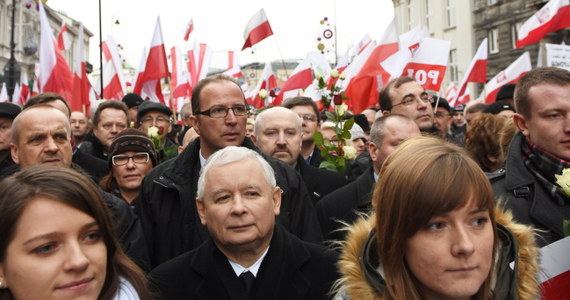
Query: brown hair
[[550, 75], [45, 98], [384, 98], [203, 83], [424, 177], [482, 141], [74, 189], [110, 104], [506, 135], [301, 101]]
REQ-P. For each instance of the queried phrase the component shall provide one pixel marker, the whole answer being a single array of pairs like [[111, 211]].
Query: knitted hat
[[9, 110], [149, 106], [497, 107], [134, 140], [356, 132], [132, 100]]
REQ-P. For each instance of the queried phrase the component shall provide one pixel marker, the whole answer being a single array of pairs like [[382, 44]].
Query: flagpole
[[100, 51], [281, 55]]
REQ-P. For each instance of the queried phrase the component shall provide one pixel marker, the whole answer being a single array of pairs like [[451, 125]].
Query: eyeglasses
[[139, 158], [218, 112], [441, 115], [308, 117], [409, 100], [159, 120]]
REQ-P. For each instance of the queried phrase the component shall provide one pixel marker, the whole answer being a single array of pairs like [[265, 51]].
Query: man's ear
[[253, 138], [372, 150], [194, 123], [520, 121], [277, 192], [14, 153], [201, 212]]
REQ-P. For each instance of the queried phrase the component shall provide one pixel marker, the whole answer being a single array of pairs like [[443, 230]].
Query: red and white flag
[[426, 62], [511, 74], [4, 94], [17, 94], [63, 38], [180, 78], [257, 29], [553, 16], [156, 67], [477, 72], [25, 92], [555, 270], [80, 99], [358, 48], [114, 85], [199, 59], [266, 82], [233, 65], [54, 75], [363, 89], [189, 29], [342, 62]]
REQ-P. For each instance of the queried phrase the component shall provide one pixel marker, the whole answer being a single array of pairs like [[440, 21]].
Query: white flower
[[318, 75], [564, 181], [342, 76], [263, 93], [341, 109], [153, 132], [334, 73], [349, 152]]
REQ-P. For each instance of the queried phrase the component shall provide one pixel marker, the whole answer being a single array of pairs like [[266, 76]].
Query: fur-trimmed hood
[[358, 263]]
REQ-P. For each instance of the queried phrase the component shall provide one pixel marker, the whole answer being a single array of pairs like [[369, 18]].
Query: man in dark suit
[[344, 204], [248, 255], [278, 133]]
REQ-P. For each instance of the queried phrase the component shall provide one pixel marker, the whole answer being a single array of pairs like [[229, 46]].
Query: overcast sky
[[221, 24]]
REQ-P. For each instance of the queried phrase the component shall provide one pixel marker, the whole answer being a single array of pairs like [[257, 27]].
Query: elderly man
[[248, 256], [537, 153], [169, 216], [110, 118], [443, 117], [308, 111], [8, 112], [157, 115], [41, 136], [79, 126], [403, 95], [344, 204], [278, 133]]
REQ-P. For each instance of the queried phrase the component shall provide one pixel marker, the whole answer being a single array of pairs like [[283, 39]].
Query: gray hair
[[378, 129], [229, 155], [261, 116]]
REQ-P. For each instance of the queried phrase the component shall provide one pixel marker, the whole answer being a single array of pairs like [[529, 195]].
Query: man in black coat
[[248, 256], [166, 205], [528, 185], [278, 133], [343, 205]]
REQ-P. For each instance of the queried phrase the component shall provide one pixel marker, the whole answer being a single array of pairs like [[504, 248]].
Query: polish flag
[[363, 89], [81, 83], [451, 91], [358, 48], [25, 92], [511, 74], [156, 67], [189, 29], [180, 78], [233, 66], [555, 270], [63, 38], [257, 29], [266, 82], [342, 62], [114, 86], [17, 94], [477, 72], [199, 59], [55, 75], [4, 94], [553, 16], [35, 88], [426, 62]]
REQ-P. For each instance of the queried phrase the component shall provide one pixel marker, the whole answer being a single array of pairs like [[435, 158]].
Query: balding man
[[344, 204], [278, 133]]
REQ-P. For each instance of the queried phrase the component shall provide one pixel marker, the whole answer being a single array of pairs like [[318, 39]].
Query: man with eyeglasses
[[404, 96], [443, 118], [166, 205], [308, 111], [157, 115]]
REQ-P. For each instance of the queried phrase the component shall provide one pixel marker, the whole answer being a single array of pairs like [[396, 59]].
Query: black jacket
[[168, 212], [345, 205], [317, 158], [292, 269], [530, 203], [319, 182]]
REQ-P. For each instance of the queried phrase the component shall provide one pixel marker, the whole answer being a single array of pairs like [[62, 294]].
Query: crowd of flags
[[373, 63]]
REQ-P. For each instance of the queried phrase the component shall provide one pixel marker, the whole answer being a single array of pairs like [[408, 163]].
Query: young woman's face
[[452, 255], [57, 253]]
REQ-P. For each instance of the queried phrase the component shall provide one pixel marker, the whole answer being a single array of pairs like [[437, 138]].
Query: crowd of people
[[441, 202]]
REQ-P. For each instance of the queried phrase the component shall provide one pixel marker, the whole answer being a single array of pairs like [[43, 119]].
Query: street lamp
[[12, 69]]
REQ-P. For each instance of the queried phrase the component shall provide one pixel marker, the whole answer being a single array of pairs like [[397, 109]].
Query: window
[[515, 33], [450, 13], [453, 72], [491, 2], [410, 10], [494, 40], [428, 15]]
